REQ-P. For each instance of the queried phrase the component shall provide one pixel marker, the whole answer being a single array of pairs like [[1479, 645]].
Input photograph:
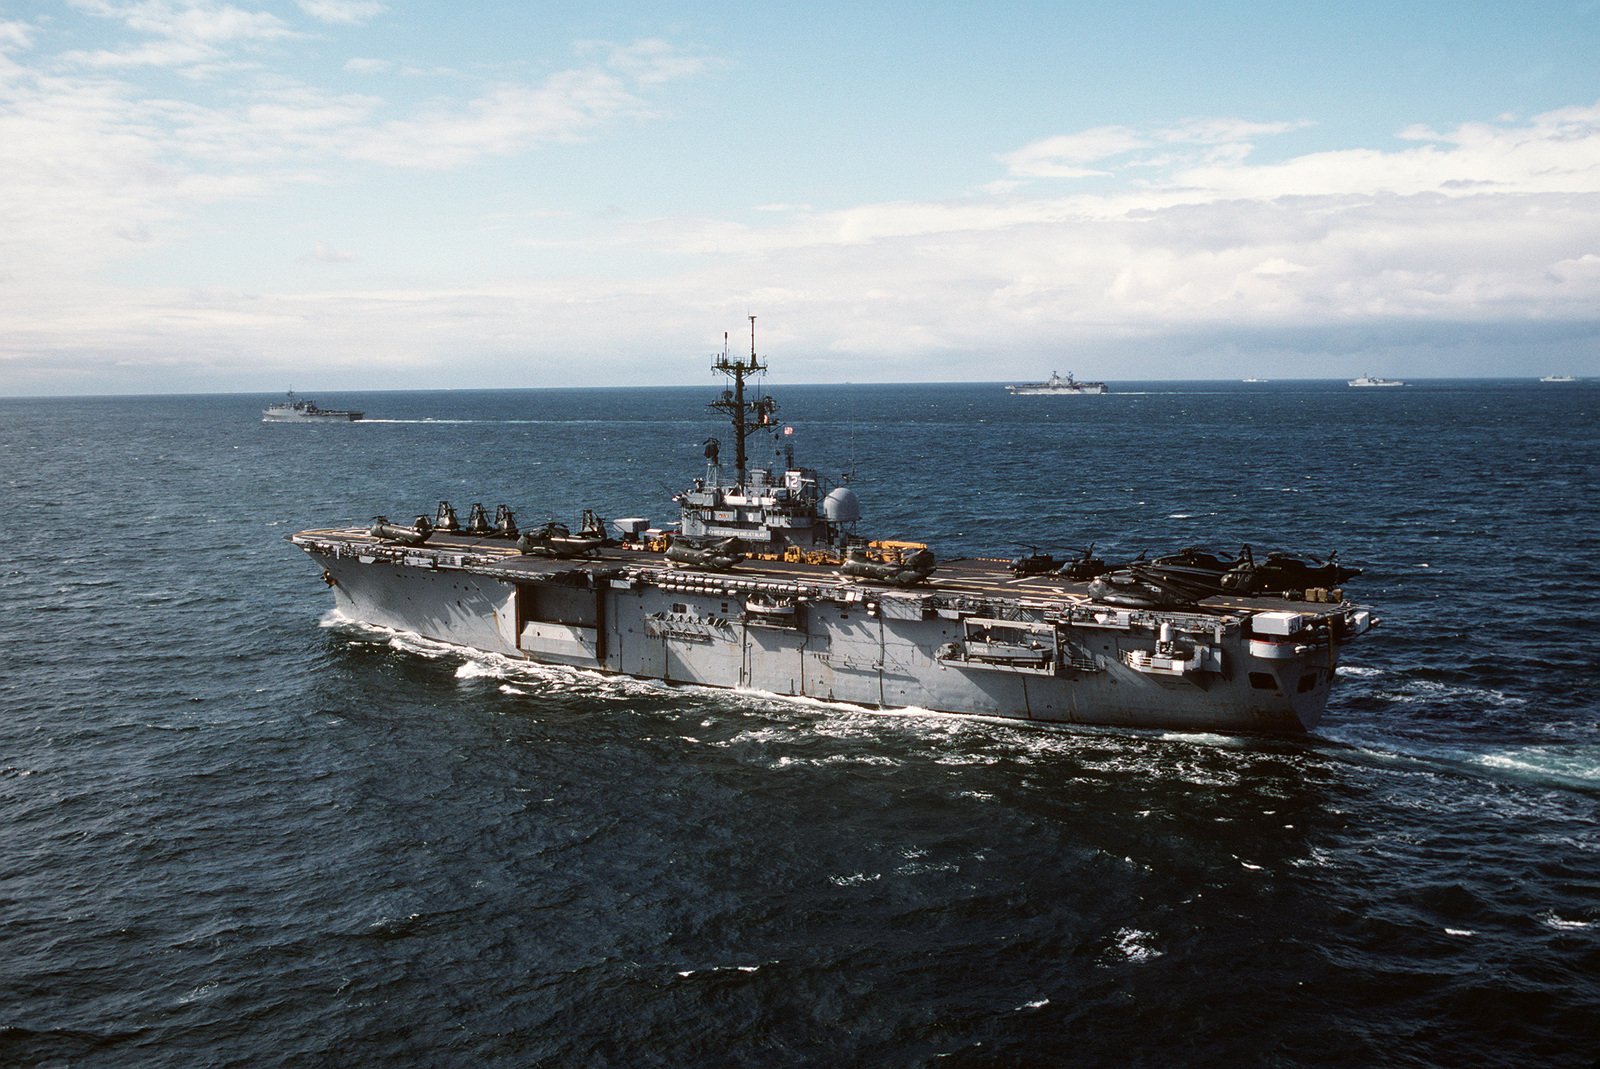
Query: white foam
[[1208, 738], [1358, 670], [1426, 690], [686, 973], [1576, 764], [1134, 945], [204, 991]]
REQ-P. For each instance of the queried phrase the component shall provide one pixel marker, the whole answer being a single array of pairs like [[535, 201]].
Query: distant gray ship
[[1371, 380], [1057, 385], [300, 410], [762, 584]]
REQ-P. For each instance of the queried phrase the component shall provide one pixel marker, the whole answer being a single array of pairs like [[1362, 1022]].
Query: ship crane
[[748, 416]]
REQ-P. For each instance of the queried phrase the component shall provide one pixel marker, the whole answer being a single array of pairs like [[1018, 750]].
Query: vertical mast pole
[[746, 415], [738, 405]]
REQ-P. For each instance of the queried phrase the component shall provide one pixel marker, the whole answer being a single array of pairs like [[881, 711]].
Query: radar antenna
[[747, 416]]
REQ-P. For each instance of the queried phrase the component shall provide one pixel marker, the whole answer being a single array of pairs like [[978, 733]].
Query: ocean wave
[[198, 994], [787, 761], [1574, 765], [1427, 690]]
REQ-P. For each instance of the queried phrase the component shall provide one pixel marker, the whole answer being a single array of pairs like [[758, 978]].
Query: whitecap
[[1134, 945], [858, 759], [1460, 932], [1427, 690], [477, 670], [720, 968], [205, 990]]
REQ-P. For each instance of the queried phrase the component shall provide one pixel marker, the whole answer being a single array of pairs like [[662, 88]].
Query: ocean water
[[237, 832]]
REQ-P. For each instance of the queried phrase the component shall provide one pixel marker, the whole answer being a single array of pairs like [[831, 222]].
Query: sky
[[373, 194]]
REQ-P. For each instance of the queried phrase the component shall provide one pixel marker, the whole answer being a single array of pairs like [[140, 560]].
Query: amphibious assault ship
[[1056, 385], [764, 584]]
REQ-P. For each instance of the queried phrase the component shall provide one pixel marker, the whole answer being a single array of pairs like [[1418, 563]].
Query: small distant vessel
[[1558, 378], [1255, 380], [300, 410], [1057, 385], [1370, 380]]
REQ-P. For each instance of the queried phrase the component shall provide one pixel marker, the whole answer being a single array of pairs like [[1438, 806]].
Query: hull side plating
[[847, 642]]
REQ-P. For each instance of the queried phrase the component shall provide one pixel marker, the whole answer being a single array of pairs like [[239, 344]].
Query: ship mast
[[747, 416]]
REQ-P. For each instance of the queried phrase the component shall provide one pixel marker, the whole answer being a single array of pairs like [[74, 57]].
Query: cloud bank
[[1083, 237]]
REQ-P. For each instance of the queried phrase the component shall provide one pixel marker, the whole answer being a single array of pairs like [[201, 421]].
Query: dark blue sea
[[235, 832]]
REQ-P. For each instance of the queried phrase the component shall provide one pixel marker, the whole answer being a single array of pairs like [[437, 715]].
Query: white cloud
[[505, 120], [15, 36], [1064, 155], [648, 62], [184, 35], [1069, 155], [1488, 224], [327, 254], [1182, 231], [347, 12]]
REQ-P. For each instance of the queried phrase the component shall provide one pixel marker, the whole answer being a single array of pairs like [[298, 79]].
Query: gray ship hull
[[972, 641]]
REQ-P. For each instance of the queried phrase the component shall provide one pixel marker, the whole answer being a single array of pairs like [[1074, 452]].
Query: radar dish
[[841, 506]]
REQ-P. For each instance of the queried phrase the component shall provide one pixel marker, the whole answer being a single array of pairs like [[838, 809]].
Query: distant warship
[[763, 584], [299, 410], [1057, 385]]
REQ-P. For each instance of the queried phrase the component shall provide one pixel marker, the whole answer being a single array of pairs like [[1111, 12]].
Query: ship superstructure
[[765, 585], [768, 511]]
